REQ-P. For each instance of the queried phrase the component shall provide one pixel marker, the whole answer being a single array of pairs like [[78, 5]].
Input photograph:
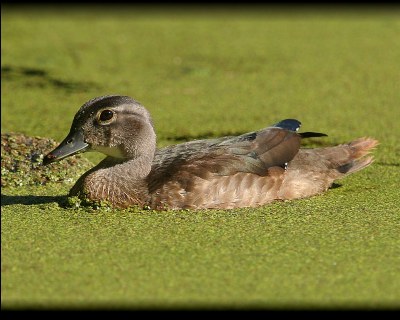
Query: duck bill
[[74, 143]]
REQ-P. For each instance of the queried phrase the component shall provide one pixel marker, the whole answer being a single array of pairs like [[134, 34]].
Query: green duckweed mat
[[206, 72]]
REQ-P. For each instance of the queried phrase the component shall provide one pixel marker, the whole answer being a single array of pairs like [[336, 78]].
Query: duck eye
[[106, 115]]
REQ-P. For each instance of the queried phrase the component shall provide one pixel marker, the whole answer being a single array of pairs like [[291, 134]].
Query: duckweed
[[83, 202], [21, 162]]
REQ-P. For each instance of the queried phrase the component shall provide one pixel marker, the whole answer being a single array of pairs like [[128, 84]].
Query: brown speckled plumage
[[249, 170]]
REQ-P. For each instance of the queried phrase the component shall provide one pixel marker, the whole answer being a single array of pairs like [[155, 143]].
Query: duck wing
[[252, 152]]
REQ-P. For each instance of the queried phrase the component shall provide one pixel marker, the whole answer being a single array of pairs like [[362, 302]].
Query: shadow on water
[[7, 200], [335, 185], [34, 77]]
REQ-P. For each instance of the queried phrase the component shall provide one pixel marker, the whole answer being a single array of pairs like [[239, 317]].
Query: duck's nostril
[[70, 141]]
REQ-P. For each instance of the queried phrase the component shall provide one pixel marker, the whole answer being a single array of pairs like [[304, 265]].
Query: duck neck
[[134, 170]]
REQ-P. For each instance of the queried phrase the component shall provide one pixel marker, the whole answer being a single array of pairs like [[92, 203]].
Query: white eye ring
[[105, 116]]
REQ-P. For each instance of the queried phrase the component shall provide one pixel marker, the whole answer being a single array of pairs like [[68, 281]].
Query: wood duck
[[249, 170]]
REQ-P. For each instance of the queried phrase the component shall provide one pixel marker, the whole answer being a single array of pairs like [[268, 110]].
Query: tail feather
[[359, 149], [362, 146]]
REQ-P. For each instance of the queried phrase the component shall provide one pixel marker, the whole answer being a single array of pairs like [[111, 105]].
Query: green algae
[[21, 162]]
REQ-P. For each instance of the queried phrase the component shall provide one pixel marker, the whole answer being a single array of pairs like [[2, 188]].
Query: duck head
[[117, 126]]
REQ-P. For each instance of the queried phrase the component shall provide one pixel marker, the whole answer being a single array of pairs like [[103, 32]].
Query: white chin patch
[[114, 152]]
